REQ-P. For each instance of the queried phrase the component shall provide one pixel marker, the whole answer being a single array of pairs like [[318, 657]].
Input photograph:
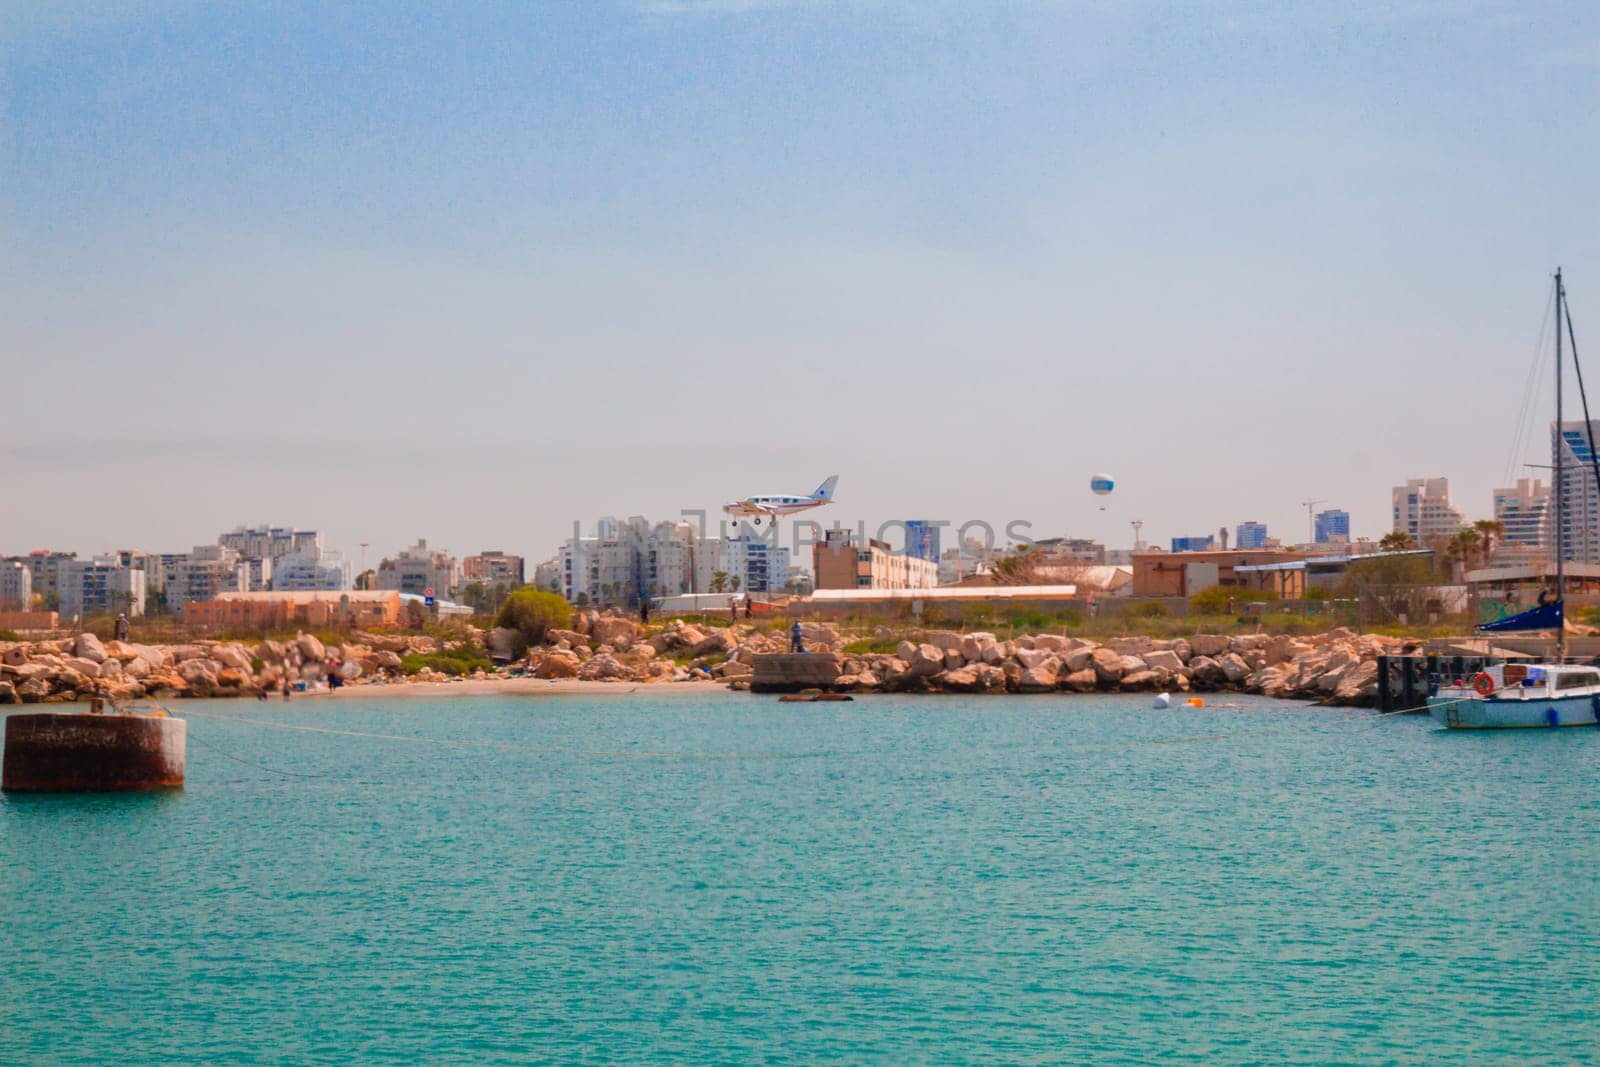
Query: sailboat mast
[[1561, 448]]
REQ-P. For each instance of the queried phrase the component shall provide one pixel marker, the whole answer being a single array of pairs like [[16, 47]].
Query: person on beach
[[644, 610], [733, 611], [286, 687]]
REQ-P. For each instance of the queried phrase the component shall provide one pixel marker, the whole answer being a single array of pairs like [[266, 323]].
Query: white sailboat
[[1515, 695]]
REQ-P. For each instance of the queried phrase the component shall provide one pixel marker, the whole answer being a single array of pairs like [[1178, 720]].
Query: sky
[[474, 272]]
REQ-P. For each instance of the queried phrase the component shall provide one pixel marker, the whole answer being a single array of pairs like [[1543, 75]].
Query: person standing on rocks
[[122, 627], [796, 643]]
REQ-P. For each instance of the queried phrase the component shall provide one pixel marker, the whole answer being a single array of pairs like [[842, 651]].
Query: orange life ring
[[1483, 684]]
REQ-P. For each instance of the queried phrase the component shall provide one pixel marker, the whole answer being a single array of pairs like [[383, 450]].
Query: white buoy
[[1164, 700]]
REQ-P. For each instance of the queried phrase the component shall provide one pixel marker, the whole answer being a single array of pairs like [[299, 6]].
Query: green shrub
[[8, 635], [1148, 609], [1214, 601], [533, 612], [456, 661], [871, 646]]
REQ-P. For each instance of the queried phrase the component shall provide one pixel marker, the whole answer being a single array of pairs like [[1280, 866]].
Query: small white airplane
[[754, 507]]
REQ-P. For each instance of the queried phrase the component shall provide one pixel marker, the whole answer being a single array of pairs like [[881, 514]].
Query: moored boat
[[1515, 695]]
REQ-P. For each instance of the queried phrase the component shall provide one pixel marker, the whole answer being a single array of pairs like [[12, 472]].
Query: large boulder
[[1080, 681], [89, 668], [1206, 672], [1040, 679], [311, 648], [716, 642], [1080, 658], [603, 668], [1131, 646], [974, 645], [557, 665], [1138, 681], [1107, 665], [1234, 668], [615, 631], [8, 694], [942, 640], [1050, 642], [1163, 659], [1034, 657], [960, 680], [925, 661], [1212, 645], [232, 656], [88, 646]]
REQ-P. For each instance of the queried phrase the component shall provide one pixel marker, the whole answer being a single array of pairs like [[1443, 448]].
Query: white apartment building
[[759, 565], [44, 568], [492, 568], [1422, 509], [418, 569], [202, 574], [100, 586], [16, 585], [271, 542], [326, 571], [627, 559]]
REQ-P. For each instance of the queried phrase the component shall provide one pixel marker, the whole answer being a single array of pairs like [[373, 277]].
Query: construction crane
[[1311, 520]]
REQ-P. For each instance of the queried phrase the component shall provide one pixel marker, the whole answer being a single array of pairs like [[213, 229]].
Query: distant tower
[[1222, 537]]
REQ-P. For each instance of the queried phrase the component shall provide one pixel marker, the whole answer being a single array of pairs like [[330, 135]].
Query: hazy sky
[[393, 270]]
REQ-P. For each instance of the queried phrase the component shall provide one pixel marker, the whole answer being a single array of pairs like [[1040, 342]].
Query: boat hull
[[1492, 713]]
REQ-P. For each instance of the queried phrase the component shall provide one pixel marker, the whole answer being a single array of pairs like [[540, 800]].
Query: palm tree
[[1396, 541], [719, 581], [733, 583], [1491, 532], [1464, 547]]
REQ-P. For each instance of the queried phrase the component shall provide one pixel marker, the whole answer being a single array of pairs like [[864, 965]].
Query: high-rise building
[[418, 569], [302, 572], [1250, 535], [1423, 510], [1580, 497], [16, 585], [1525, 513], [1332, 527], [100, 586], [493, 568], [839, 563], [922, 539], [271, 542], [1194, 544], [203, 573], [760, 565], [44, 568]]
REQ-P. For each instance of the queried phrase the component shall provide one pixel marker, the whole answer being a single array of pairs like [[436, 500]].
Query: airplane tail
[[825, 490]]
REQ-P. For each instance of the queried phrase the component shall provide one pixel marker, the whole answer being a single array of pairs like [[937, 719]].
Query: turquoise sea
[[715, 878]]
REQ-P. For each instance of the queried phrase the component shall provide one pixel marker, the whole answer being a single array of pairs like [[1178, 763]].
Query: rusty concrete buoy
[[77, 753]]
